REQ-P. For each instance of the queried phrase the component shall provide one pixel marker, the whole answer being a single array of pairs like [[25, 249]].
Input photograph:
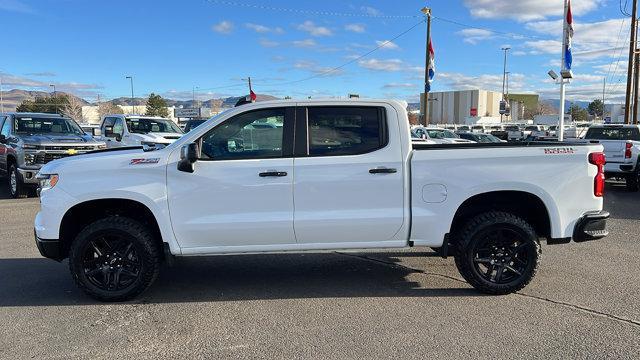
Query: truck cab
[[136, 130]]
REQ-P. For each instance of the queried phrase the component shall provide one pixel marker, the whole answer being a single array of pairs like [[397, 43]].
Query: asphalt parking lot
[[582, 304]]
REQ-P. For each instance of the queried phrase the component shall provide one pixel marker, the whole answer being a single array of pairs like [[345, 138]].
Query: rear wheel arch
[[83, 214], [528, 206]]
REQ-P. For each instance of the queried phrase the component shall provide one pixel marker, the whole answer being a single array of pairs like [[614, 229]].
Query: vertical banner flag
[[568, 58], [432, 65], [253, 96]]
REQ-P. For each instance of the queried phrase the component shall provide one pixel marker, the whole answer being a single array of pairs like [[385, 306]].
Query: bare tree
[[108, 107], [542, 108], [73, 109]]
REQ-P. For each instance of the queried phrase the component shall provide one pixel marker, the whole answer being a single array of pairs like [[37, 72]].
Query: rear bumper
[[591, 226], [49, 248]]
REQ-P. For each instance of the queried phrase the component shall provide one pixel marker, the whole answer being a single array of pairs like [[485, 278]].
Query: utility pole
[[632, 50], [636, 81], [424, 105], [133, 104], [604, 87], [504, 79]]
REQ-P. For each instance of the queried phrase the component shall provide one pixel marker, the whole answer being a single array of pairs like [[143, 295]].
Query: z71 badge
[[144, 161], [559, 150]]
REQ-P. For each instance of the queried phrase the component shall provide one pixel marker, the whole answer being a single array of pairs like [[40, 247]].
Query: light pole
[[133, 104], [504, 80]]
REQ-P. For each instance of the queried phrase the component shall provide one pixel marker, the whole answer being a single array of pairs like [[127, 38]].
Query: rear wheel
[[114, 259], [498, 253], [17, 188]]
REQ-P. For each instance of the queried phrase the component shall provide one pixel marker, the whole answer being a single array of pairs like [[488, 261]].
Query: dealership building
[[474, 106]]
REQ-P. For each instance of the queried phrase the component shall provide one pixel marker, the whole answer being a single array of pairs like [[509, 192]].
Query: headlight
[[101, 146], [47, 181], [148, 143], [29, 146]]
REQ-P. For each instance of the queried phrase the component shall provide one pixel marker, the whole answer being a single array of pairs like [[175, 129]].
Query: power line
[[323, 73], [619, 57], [372, 14]]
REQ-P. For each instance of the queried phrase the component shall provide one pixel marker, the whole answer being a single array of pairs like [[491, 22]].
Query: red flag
[[253, 95]]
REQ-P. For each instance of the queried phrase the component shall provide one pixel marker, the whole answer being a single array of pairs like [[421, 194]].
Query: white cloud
[[527, 10], [314, 30], [356, 28], [307, 43], [223, 27], [387, 45], [473, 36], [370, 11], [400, 86], [459, 81], [313, 67], [383, 65], [544, 47], [263, 29]]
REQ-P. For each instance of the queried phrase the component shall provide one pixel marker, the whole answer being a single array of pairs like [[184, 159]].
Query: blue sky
[[88, 47]]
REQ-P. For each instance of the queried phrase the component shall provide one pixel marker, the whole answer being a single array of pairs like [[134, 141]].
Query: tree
[[107, 108], [596, 108], [157, 106], [413, 119], [73, 109], [48, 104], [578, 113], [542, 108]]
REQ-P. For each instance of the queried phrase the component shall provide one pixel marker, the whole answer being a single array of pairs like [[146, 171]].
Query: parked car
[[192, 124], [499, 132], [569, 131], [534, 131], [350, 179], [479, 128], [514, 132], [30, 140], [622, 147], [91, 129], [479, 138], [134, 130], [438, 135]]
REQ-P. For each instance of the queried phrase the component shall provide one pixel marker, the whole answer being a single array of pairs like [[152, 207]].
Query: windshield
[[441, 134], [463, 128], [531, 128], [46, 125], [512, 128], [145, 126], [603, 133]]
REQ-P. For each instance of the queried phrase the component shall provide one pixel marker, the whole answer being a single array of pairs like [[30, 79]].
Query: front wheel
[[114, 259], [17, 188], [633, 181], [499, 253]]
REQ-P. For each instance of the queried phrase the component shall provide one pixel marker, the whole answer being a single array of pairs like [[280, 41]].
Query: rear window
[[512, 128], [345, 130], [531, 128], [611, 133]]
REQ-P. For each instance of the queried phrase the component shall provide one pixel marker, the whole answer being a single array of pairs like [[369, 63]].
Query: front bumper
[[49, 248], [29, 176], [592, 226]]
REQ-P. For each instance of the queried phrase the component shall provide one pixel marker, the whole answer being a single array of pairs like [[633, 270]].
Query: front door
[[241, 192], [348, 184]]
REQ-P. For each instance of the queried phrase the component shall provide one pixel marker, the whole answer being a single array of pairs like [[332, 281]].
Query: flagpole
[[562, 81], [425, 104]]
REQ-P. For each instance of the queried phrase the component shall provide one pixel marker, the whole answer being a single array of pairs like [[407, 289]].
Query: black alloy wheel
[[111, 262]]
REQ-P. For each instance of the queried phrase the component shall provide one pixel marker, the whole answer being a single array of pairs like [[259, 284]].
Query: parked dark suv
[[30, 140]]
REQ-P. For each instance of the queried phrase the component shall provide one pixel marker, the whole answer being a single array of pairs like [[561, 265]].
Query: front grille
[[64, 148], [46, 157], [172, 137]]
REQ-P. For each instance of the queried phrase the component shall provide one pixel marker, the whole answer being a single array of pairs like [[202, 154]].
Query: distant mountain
[[12, 98]]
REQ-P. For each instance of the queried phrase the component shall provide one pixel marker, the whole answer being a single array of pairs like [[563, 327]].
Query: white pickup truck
[[119, 130], [292, 176], [622, 148]]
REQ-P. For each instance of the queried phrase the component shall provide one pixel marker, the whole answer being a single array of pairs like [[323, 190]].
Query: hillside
[[12, 98]]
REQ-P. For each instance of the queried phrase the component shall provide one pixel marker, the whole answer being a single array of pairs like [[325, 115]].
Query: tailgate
[[613, 149]]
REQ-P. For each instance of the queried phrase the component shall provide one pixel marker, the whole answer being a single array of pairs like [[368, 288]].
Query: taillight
[[627, 151], [598, 159]]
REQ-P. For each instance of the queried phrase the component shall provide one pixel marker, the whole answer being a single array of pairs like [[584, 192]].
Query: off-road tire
[[146, 250], [633, 180], [21, 190], [473, 231]]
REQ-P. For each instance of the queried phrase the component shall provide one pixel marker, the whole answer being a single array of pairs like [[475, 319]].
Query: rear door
[[3, 146], [348, 183]]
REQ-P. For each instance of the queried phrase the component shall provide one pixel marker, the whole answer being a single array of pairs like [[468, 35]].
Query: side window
[[118, 127], [107, 122], [346, 130], [6, 128], [252, 135]]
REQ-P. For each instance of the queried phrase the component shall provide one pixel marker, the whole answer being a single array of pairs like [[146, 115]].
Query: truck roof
[[34, 114], [614, 126]]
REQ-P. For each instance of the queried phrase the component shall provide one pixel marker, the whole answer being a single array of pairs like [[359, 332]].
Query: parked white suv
[[135, 130], [316, 175]]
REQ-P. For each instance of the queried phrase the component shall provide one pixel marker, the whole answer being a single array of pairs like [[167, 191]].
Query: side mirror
[[3, 139], [96, 132], [108, 131], [188, 157], [118, 137]]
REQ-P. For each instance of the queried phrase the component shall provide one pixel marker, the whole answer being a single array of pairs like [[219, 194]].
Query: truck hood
[[106, 160], [158, 138], [58, 139]]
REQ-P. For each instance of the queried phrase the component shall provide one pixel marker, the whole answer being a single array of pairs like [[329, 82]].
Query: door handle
[[273, 174], [383, 171]]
